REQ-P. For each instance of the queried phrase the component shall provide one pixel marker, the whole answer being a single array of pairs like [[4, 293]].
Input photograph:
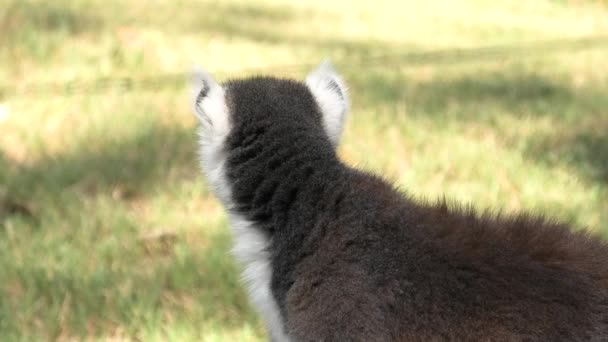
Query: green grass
[[107, 230]]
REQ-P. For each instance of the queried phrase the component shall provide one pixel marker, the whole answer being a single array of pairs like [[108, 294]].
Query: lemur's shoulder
[[332, 253]]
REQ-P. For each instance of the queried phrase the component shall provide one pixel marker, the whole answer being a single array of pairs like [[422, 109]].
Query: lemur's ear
[[209, 101], [331, 95]]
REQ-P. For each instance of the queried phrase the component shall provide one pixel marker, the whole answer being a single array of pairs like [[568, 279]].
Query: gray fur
[[332, 253]]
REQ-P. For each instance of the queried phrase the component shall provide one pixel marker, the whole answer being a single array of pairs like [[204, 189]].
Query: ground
[[107, 229]]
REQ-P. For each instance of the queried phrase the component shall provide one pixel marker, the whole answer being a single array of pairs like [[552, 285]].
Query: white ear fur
[[209, 102], [209, 106], [331, 95]]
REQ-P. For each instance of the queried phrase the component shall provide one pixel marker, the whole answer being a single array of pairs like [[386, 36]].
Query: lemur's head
[[232, 114]]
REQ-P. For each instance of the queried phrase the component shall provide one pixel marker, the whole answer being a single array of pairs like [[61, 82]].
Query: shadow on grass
[[482, 95], [479, 96], [131, 292], [272, 24], [36, 29], [277, 24], [47, 17], [579, 141], [583, 147], [154, 156], [582, 144], [117, 282]]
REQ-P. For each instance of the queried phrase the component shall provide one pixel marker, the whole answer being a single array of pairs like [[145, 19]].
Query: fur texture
[[331, 253]]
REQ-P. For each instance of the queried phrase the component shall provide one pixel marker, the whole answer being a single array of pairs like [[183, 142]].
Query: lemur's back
[[334, 254], [411, 272]]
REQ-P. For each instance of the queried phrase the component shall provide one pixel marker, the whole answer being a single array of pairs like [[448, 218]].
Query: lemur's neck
[[272, 173]]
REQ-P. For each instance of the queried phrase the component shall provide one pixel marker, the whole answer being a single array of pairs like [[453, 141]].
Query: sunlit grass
[[107, 230]]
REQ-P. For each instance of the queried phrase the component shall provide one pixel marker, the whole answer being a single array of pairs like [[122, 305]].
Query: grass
[[107, 230]]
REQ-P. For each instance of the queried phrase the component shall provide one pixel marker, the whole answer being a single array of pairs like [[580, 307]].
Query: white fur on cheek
[[250, 243], [213, 107], [250, 248], [215, 126], [332, 102]]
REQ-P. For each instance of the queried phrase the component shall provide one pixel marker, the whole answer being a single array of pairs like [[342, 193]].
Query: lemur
[[333, 253]]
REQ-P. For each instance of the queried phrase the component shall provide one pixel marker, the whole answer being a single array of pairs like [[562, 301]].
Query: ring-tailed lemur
[[331, 253]]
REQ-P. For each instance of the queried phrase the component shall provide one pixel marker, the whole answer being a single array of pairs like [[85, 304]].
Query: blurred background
[[107, 229]]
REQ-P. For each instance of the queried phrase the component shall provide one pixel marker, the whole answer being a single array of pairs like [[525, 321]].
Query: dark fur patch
[[333, 85], [355, 260], [202, 93]]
